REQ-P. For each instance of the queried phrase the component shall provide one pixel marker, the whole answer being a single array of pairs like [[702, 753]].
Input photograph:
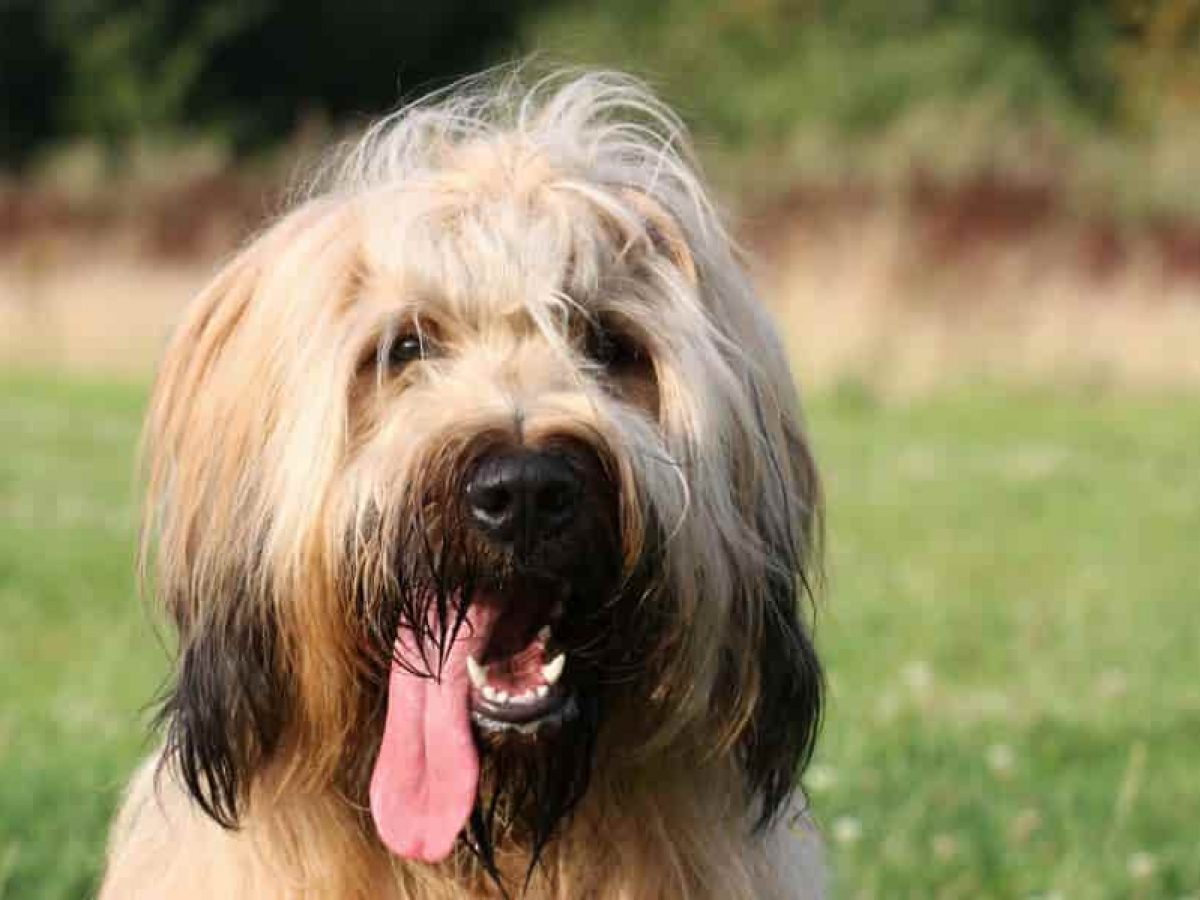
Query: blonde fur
[[501, 219]]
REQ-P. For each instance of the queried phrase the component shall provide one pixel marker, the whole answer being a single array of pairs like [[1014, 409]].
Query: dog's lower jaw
[[651, 836]]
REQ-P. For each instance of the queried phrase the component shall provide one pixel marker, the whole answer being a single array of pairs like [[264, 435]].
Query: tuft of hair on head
[[607, 127]]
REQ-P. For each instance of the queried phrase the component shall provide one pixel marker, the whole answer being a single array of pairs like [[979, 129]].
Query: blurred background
[[978, 224]]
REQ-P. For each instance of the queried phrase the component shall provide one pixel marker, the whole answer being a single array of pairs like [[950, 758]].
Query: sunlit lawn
[[1011, 625]]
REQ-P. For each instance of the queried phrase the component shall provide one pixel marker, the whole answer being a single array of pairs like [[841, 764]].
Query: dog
[[479, 498]]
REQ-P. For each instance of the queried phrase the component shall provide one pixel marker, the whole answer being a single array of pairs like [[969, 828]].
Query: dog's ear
[[224, 710], [204, 525], [785, 717]]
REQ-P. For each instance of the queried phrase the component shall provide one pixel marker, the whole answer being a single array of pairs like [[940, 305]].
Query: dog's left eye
[[405, 349], [612, 348]]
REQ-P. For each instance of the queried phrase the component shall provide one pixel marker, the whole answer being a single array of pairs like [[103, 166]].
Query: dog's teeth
[[544, 634], [478, 674], [489, 693], [543, 690], [501, 696], [552, 670]]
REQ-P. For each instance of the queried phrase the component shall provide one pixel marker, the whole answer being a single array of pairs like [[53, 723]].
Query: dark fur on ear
[[225, 712], [779, 742]]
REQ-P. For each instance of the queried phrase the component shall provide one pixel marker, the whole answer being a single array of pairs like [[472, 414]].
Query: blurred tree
[[346, 58], [247, 70], [32, 77], [133, 68], [754, 70]]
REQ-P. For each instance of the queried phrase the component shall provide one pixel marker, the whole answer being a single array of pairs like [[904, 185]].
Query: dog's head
[[482, 460]]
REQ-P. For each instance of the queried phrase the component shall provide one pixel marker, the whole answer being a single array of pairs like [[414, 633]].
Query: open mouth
[[520, 682], [502, 672]]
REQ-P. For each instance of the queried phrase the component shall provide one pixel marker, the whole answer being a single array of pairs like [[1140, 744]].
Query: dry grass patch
[[83, 307], [877, 295]]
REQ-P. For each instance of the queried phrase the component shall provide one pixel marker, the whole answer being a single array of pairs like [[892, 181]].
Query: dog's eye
[[613, 349], [405, 349]]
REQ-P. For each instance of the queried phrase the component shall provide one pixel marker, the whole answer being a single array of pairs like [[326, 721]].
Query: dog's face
[[479, 476]]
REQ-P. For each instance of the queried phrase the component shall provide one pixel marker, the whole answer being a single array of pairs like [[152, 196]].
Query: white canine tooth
[[543, 690], [501, 696], [489, 692], [478, 673], [552, 670], [544, 634]]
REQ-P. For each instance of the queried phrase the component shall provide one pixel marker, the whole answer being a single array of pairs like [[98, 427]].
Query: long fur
[[299, 511]]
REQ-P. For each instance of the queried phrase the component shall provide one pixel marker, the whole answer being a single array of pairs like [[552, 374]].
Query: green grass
[[78, 659], [1012, 637], [1012, 631]]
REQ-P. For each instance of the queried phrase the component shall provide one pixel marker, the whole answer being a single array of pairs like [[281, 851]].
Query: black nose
[[524, 497]]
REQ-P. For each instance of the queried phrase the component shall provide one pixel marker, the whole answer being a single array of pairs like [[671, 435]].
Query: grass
[[1011, 639], [78, 661], [1011, 632]]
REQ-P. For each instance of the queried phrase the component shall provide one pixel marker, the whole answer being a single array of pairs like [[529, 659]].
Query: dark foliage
[[32, 77], [250, 69]]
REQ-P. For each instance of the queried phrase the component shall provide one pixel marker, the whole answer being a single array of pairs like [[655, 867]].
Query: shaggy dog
[[479, 499]]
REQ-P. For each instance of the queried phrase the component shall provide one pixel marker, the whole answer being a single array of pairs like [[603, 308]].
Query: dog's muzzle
[[527, 506]]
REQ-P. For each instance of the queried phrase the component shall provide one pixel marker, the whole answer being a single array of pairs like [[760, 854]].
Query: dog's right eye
[[405, 349]]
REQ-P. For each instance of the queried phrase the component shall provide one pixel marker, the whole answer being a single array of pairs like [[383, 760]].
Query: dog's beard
[[529, 780], [529, 788]]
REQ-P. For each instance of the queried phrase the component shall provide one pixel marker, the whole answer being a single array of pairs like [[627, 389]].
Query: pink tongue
[[427, 771]]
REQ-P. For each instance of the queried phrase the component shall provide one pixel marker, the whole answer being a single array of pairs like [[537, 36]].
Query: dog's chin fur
[[496, 267]]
